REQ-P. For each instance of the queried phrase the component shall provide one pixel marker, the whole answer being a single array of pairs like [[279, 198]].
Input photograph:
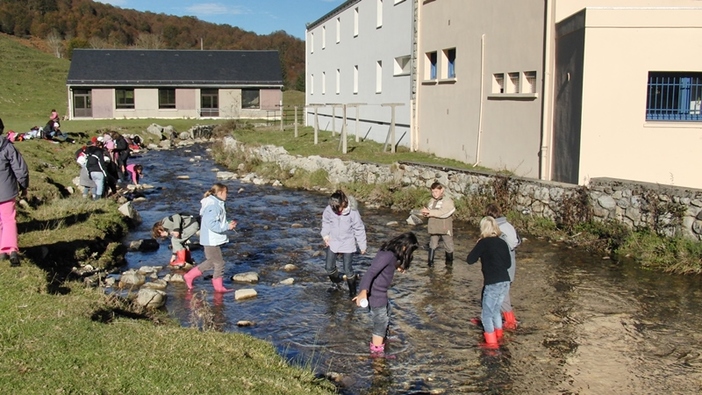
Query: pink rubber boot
[[218, 286], [377, 350], [190, 276]]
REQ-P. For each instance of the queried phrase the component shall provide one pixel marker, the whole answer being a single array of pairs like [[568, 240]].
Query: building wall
[[187, 104], [271, 99], [103, 103], [617, 140], [372, 44], [495, 37], [566, 8]]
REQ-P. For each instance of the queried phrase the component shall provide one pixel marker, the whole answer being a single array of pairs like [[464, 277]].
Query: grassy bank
[[59, 336]]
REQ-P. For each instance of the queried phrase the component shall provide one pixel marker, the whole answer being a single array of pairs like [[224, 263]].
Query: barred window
[[674, 96]]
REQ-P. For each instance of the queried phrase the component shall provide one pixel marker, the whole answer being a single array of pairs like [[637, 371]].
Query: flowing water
[[587, 325]]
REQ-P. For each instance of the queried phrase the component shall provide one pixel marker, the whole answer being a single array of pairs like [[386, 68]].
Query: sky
[[258, 16]]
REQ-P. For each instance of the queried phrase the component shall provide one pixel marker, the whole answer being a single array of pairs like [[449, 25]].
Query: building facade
[[107, 84], [360, 55], [561, 90]]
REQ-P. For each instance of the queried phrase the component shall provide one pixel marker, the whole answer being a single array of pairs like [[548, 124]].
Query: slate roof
[[137, 67]]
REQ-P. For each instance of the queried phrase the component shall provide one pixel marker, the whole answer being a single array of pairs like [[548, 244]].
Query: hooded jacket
[[343, 231], [186, 225], [214, 222], [14, 173]]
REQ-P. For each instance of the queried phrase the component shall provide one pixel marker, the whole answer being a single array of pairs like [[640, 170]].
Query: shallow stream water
[[587, 325]]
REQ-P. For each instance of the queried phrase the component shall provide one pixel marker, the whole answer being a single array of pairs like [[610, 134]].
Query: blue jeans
[[381, 319], [331, 263], [493, 295], [99, 180]]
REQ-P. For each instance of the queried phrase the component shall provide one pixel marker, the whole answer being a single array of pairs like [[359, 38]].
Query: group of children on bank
[[103, 163], [343, 234]]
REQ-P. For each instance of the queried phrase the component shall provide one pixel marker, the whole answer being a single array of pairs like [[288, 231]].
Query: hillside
[[33, 82], [66, 24]]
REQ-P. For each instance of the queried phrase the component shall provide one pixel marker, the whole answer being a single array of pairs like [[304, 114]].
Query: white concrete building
[[359, 55]]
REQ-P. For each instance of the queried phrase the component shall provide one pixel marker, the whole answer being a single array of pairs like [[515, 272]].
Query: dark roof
[[138, 67], [328, 15]]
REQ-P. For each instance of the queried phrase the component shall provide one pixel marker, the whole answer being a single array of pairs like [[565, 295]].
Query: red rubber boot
[[490, 341], [181, 258], [510, 320]]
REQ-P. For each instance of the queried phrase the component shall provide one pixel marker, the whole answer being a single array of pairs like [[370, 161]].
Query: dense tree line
[[69, 24]]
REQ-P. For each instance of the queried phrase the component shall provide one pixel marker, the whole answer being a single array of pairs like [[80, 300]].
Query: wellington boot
[[188, 257], [498, 334], [430, 261], [490, 341], [181, 259], [510, 320], [14, 259], [377, 350], [352, 282], [449, 258], [190, 276], [336, 278], [218, 286]]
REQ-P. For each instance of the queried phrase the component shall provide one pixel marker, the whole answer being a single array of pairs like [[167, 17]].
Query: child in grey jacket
[[342, 231]]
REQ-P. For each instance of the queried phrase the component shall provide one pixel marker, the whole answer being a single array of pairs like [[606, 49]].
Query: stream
[[587, 325]]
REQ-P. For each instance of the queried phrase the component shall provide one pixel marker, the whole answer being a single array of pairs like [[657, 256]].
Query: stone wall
[[631, 203]]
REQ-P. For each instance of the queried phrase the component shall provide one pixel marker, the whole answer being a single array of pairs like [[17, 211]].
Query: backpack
[[121, 144]]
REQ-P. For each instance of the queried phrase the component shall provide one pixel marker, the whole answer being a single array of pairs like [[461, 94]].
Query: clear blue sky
[[258, 16]]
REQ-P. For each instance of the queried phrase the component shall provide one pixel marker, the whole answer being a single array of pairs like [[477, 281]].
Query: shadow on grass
[[39, 225], [59, 259]]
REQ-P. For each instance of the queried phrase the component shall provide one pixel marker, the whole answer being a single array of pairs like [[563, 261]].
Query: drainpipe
[[482, 91], [414, 141], [547, 101]]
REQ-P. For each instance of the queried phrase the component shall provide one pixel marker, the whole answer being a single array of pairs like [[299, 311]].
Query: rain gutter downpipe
[[547, 103], [482, 90]]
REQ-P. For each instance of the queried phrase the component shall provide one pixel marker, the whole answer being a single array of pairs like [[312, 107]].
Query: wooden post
[[391, 132], [295, 121], [282, 111], [316, 121], [344, 141], [358, 107]]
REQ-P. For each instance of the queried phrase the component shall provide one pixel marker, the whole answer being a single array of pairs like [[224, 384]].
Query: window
[[355, 22], [498, 83], [338, 81], [379, 13], [311, 84], [379, 77], [430, 66], [674, 96], [529, 82], [209, 103], [311, 42], [512, 83], [324, 37], [166, 98], [324, 82], [251, 98], [124, 98], [449, 62], [355, 79], [402, 65], [338, 30]]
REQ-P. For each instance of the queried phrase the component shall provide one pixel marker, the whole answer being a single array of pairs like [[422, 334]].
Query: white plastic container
[[363, 303]]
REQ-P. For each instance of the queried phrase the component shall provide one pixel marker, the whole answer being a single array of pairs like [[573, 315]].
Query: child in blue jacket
[[213, 226]]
